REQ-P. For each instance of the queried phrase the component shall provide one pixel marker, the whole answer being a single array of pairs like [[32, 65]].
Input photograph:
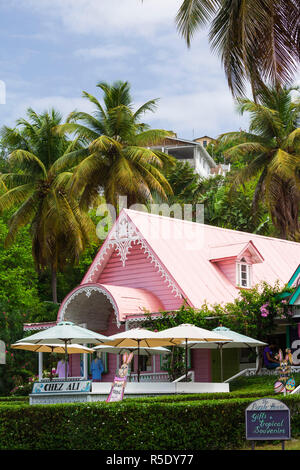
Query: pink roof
[[235, 250], [181, 253], [132, 301], [183, 248]]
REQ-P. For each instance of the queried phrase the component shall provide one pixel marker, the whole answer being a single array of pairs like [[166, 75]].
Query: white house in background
[[194, 153]]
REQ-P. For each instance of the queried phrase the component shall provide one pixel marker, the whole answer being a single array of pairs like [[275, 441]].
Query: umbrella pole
[[186, 362], [51, 362], [221, 359], [66, 358], [138, 360]]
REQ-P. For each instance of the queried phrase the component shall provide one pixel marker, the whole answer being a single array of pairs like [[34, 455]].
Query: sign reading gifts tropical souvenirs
[[119, 383], [2, 352], [268, 419], [76, 386]]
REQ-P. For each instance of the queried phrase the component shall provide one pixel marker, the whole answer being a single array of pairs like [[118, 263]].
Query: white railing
[[252, 371], [150, 377], [191, 375]]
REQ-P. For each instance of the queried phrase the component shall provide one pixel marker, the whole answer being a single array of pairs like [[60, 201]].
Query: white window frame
[[239, 271]]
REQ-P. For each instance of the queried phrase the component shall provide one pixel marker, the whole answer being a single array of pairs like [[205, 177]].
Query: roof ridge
[[173, 219]]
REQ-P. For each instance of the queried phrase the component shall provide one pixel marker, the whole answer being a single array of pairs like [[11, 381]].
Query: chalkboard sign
[[268, 419]]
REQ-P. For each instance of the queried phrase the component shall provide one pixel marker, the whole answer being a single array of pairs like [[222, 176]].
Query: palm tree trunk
[[54, 284]]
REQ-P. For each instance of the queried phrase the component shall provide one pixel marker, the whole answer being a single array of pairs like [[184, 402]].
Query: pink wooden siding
[[111, 358], [228, 268], [138, 272], [74, 365], [201, 365]]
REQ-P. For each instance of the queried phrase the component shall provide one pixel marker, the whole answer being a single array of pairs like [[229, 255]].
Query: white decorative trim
[[166, 277], [38, 326], [122, 236], [88, 291]]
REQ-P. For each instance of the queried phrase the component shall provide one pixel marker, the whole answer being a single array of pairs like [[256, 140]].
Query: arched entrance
[[91, 306]]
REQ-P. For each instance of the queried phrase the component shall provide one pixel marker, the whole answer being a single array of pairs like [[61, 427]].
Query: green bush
[[132, 425]]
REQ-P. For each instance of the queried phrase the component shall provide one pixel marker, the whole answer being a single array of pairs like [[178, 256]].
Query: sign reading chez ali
[[78, 386]]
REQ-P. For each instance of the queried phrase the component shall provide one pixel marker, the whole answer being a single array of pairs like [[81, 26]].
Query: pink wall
[[74, 365], [228, 267], [201, 364], [139, 272], [111, 358]]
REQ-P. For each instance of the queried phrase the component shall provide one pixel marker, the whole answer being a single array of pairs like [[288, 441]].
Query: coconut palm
[[37, 192], [271, 150], [258, 40], [118, 156]]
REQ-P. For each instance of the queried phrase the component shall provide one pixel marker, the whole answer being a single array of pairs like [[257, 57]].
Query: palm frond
[[284, 164], [192, 15], [151, 137], [149, 106], [23, 216], [78, 130], [24, 159], [15, 196]]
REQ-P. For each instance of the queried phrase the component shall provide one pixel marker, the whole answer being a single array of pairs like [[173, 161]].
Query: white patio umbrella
[[65, 333], [234, 340], [187, 332], [53, 348], [121, 350], [139, 338]]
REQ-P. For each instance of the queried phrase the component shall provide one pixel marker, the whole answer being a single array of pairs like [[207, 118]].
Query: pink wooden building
[[153, 263]]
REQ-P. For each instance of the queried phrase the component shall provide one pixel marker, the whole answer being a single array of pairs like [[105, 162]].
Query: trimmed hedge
[[205, 396], [150, 424]]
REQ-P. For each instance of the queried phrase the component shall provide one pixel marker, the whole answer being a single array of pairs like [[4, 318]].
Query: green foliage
[[252, 313], [271, 152], [24, 298], [118, 156], [37, 191], [244, 315], [232, 208], [250, 50], [224, 205], [132, 425]]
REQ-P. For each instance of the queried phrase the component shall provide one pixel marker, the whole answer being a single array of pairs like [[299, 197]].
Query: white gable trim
[[122, 236]]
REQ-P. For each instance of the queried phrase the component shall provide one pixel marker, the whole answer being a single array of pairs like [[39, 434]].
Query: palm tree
[[272, 152], [258, 40], [36, 190], [118, 158]]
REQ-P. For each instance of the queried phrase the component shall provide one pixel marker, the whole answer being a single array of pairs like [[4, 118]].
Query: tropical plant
[[258, 40], [245, 314], [272, 152], [230, 208], [117, 159], [221, 205], [185, 183], [37, 192]]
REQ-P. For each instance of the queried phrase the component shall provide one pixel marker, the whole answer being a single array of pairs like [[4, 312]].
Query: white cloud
[[198, 113], [99, 17], [136, 41], [62, 104], [106, 52]]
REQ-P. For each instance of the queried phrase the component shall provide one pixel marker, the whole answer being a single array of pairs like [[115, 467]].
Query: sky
[[52, 50]]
